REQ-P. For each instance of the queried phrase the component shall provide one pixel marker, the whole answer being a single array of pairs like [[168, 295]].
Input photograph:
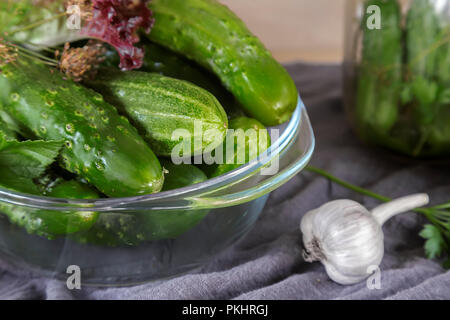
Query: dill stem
[[38, 23], [428, 212]]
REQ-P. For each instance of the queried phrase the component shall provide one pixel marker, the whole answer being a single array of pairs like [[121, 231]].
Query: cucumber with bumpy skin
[[132, 228], [212, 35], [182, 175], [72, 189], [160, 60], [100, 145], [52, 224], [160, 106]]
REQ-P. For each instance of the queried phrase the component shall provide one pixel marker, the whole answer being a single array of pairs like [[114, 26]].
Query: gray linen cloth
[[267, 263]]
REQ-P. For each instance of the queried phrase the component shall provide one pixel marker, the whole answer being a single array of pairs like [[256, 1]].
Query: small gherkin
[[53, 224], [160, 106]]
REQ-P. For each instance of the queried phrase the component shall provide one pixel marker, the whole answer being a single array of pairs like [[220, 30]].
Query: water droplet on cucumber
[[15, 97], [99, 165], [70, 127]]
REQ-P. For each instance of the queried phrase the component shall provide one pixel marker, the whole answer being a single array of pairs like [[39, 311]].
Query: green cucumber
[[159, 106], [179, 176], [52, 224], [133, 228], [160, 60], [380, 72], [248, 137], [72, 189], [100, 145], [212, 35], [422, 34], [422, 31]]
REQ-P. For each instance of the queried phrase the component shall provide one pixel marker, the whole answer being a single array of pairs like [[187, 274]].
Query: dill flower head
[[82, 63], [8, 53]]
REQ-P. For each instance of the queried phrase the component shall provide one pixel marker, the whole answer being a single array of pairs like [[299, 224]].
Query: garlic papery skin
[[347, 238]]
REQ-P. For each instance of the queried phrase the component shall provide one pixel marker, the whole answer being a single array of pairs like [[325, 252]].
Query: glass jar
[[397, 74]]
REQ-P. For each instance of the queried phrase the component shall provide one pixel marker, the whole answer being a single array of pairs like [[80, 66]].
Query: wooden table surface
[[309, 30]]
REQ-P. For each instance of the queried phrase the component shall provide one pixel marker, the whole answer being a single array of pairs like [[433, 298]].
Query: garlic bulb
[[347, 238]]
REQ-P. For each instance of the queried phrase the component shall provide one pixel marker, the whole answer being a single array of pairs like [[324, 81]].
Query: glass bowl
[[157, 236]]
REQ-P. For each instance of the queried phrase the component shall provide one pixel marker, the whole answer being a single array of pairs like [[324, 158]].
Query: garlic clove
[[342, 278]]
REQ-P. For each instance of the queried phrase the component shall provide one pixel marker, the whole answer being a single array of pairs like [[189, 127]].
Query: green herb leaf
[[435, 243], [425, 91], [20, 162], [7, 127], [406, 95], [426, 94], [11, 181]]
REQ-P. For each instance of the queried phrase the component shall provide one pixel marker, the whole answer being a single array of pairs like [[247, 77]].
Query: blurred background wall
[[309, 30]]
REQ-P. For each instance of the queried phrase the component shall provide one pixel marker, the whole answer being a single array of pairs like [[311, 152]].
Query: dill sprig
[[76, 63]]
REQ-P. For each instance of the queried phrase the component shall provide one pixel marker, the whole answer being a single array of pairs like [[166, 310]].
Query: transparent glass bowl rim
[[107, 204]]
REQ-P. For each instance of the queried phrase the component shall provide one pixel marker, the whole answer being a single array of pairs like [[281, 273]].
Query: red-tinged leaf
[[117, 22]]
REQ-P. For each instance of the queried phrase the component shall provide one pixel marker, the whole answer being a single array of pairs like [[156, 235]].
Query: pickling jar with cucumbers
[[397, 74]]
